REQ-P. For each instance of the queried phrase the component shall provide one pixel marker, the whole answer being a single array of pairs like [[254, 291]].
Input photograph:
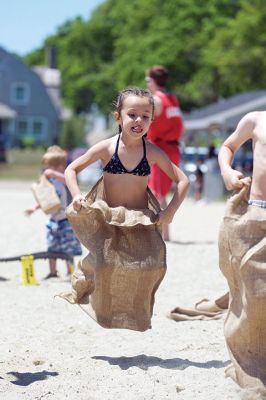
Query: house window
[[22, 127], [37, 128], [31, 130], [20, 93]]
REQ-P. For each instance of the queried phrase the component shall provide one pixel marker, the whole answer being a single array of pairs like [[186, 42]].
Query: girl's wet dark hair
[[135, 91]]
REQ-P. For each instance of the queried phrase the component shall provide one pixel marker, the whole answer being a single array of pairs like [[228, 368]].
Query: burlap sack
[[116, 282], [205, 310], [242, 253], [45, 195]]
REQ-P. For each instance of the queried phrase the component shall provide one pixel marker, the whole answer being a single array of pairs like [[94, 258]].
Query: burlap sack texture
[[204, 310], [116, 282], [242, 258]]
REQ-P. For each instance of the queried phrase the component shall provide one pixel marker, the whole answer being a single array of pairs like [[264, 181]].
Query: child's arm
[[51, 173], [182, 183], [31, 210], [96, 152], [232, 178]]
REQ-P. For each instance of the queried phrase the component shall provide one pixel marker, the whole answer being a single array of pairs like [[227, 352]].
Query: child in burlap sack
[[118, 220], [242, 254], [59, 234]]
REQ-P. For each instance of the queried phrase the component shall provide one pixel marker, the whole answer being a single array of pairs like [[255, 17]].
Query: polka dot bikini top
[[114, 166]]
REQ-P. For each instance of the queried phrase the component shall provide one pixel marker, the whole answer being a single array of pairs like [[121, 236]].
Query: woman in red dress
[[165, 131]]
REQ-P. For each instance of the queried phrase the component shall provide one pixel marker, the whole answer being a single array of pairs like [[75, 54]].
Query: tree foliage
[[73, 132], [213, 48]]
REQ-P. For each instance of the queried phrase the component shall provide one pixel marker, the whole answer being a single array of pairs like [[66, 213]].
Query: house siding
[[39, 106]]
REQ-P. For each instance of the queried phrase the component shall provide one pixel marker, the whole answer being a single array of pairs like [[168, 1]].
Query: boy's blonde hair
[[54, 156]]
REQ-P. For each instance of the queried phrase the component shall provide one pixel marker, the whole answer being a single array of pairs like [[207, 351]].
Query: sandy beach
[[53, 350]]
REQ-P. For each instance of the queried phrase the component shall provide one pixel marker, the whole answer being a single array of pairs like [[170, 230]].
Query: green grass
[[22, 165]]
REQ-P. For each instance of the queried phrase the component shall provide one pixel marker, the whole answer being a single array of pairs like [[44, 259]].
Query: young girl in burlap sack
[[59, 234], [242, 254], [119, 220]]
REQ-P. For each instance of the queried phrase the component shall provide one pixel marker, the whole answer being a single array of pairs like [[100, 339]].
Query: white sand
[[53, 350]]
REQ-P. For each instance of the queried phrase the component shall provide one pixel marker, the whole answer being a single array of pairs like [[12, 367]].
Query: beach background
[[51, 349]]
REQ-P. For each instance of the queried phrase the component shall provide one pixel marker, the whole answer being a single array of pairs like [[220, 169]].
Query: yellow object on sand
[[28, 272]]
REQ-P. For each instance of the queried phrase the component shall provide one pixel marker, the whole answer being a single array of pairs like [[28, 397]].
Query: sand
[[53, 350]]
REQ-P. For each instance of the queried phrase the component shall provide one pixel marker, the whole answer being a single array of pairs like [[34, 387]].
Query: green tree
[[238, 50], [73, 133], [208, 46]]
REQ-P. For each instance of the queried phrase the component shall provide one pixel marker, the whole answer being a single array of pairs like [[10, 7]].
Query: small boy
[[59, 234], [242, 254]]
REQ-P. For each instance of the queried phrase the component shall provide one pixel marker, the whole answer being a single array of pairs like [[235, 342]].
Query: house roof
[[51, 79], [226, 112], [7, 112]]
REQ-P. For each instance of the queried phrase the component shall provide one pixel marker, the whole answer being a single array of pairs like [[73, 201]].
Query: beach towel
[[116, 282], [242, 258]]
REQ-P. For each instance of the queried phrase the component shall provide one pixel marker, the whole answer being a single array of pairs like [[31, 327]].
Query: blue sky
[[24, 24]]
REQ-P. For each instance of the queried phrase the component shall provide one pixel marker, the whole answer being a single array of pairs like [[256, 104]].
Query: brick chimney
[[51, 55]]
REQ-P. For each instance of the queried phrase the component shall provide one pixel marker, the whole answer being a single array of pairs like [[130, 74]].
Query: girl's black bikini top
[[114, 166]]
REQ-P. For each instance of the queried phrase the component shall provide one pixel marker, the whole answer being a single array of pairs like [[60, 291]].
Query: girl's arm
[[96, 152], [182, 183], [232, 178]]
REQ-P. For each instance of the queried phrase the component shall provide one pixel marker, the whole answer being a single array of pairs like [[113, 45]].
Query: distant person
[[60, 236], [212, 182], [212, 159], [165, 132], [242, 254], [199, 180]]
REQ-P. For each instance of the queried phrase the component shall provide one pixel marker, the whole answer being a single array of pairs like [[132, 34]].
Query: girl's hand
[[166, 216], [77, 201]]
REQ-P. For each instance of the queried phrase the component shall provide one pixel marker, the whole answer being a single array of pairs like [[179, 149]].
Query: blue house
[[30, 109]]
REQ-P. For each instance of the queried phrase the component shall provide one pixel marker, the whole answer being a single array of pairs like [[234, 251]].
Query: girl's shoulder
[[152, 147], [105, 144], [104, 149], [153, 151]]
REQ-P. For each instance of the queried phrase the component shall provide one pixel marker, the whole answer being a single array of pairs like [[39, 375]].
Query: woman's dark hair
[[135, 91], [159, 73]]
